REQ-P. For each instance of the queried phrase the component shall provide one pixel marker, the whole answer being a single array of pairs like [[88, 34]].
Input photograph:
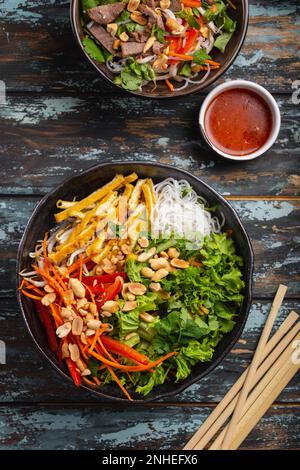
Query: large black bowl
[[240, 15], [42, 220]]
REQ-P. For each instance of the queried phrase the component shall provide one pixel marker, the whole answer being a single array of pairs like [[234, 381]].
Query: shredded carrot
[[76, 264], [90, 292], [30, 286], [58, 320], [181, 56], [106, 352], [52, 282], [97, 381], [89, 382], [81, 347], [169, 85], [21, 285], [119, 383], [95, 339], [141, 368], [212, 62], [31, 296], [191, 3], [58, 278], [80, 267]]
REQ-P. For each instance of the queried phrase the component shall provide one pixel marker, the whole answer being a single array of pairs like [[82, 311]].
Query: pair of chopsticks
[[271, 369]]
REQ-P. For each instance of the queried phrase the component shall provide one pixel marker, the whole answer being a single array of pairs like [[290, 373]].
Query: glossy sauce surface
[[238, 121]]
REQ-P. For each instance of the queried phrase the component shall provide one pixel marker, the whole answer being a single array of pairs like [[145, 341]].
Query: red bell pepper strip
[[110, 292], [74, 373], [124, 350], [192, 35], [48, 324], [105, 278]]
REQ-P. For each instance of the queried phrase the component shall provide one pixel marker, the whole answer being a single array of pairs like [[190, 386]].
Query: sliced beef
[[153, 17], [105, 14], [175, 5], [158, 47], [140, 36], [103, 37], [132, 48]]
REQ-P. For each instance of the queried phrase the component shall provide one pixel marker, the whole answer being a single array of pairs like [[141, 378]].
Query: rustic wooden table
[[61, 118]]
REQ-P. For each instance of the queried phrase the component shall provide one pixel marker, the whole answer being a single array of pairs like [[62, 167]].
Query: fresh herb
[[133, 75], [196, 12], [222, 41], [159, 33], [186, 70], [200, 57], [124, 16], [189, 17], [133, 268], [86, 4], [93, 365], [93, 50]]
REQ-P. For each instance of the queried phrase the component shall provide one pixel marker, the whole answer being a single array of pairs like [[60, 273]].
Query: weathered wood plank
[[95, 427], [272, 225], [28, 378], [46, 138], [39, 52]]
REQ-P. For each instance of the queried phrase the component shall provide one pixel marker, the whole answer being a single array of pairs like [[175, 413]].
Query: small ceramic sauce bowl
[[242, 103]]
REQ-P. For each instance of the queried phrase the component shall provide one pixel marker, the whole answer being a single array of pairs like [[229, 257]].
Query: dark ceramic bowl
[[240, 15], [80, 186]]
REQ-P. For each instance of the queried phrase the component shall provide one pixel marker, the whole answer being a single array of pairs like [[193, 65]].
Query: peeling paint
[[264, 210]]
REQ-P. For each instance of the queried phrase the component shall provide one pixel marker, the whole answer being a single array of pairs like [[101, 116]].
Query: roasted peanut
[[48, 299], [173, 253], [124, 36], [82, 303], [89, 332], [136, 288], [77, 326], [143, 241], [65, 350], [138, 18], [129, 305], [112, 28], [74, 352], [179, 263], [158, 263], [93, 308], [48, 288], [111, 306], [147, 317], [155, 286], [93, 324], [130, 296], [146, 255], [158, 275], [64, 330], [77, 288], [147, 272], [172, 24], [133, 5]]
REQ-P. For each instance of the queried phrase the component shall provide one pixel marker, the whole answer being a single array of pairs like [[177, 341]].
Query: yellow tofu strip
[[128, 179], [150, 184], [148, 198], [68, 248], [98, 210], [128, 190], [65, 204], [102, 255], [97, 246], [135, 196], [94, 197], [139, 212]]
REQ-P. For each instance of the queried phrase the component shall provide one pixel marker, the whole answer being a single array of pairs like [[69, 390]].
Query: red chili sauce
[[238, 121]]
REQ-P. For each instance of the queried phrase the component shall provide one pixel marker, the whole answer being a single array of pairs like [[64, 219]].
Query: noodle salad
[[144, 41], [135, 284]]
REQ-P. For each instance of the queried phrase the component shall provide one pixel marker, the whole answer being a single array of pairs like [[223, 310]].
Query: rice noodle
[[179, 211], [146, 59], [74, 254], [196, 82], [114, 67]]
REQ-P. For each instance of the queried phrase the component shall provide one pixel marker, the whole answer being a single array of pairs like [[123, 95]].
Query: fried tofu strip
[[135, 196], [117, 182], [148, 198]]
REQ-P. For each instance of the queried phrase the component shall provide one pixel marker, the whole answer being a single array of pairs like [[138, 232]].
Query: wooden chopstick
[[264, 367], [282, 364], [263, 403], [200, 439], [253, 366]]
